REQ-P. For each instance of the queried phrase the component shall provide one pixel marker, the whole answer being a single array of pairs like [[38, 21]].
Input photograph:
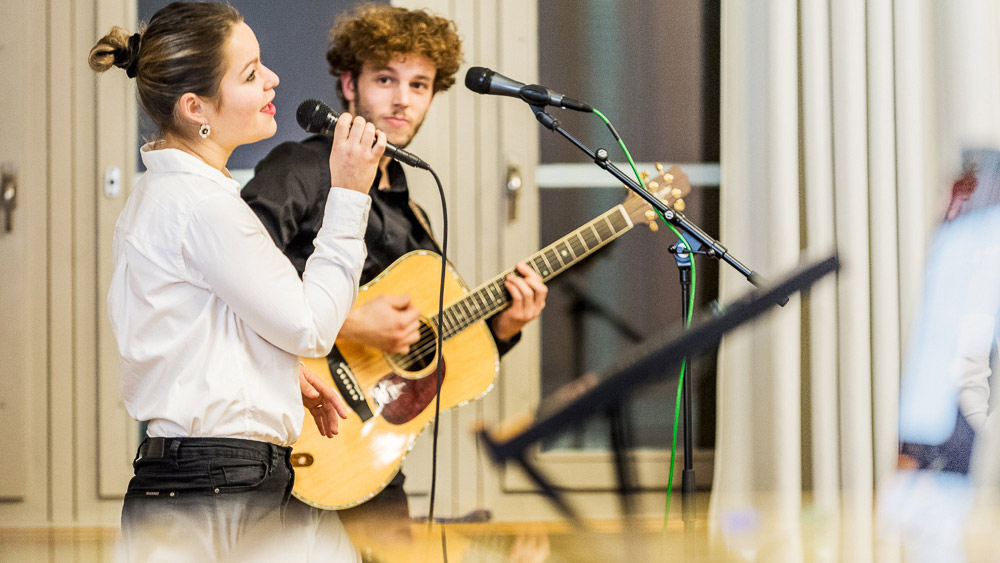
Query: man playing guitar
[[389, 64]]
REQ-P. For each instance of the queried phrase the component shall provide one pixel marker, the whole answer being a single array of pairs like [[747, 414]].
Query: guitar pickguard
[[400, 399]]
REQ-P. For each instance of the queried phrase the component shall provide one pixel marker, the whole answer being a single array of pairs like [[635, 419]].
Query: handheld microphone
[[316, 117], [485, 81]]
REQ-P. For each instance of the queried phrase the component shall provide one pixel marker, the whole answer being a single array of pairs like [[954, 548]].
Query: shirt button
[[217, 491]]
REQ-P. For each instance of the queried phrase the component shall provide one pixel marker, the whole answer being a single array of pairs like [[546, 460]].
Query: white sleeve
[[227, 249], [970, 367]]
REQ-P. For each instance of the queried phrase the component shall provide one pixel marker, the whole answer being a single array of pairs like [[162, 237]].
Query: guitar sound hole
[[421, 354]]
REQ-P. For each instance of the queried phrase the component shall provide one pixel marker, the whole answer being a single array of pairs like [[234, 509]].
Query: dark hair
[[181, 50], [375, 33]]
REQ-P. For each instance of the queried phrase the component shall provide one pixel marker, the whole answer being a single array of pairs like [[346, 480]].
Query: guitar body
[[391, 396], [366, 454]]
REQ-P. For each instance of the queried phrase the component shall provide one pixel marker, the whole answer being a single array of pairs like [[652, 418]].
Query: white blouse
[[947, 367], [209, 315]]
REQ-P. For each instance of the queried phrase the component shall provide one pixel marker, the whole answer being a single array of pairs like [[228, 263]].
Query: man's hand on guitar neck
[[390, 323], [527, 293]]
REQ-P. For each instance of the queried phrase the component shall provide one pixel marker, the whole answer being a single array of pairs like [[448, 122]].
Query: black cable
[[444, 545], [440, 342]]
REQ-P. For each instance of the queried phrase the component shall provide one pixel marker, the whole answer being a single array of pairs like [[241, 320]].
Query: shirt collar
[[176, 160], [397, 179]]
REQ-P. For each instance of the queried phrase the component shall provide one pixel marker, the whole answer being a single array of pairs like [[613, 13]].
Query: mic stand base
[[687, 497]]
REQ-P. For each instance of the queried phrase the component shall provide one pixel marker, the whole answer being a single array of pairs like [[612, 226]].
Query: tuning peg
[[644, 175], [679, 205], [654, 185], [668, 178], [651, 217], [659, 167], [676, 193]]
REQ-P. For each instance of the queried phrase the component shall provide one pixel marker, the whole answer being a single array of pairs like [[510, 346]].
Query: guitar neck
[[548, 263]]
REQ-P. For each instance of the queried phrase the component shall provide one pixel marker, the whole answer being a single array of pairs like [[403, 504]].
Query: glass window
[[653, 69]]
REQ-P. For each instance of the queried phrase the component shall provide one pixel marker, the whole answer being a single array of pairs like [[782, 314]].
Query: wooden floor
[[740, 537], [524, 542]]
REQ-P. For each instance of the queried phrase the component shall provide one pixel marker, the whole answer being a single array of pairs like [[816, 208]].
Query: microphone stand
[[702, 243], [682, 256]]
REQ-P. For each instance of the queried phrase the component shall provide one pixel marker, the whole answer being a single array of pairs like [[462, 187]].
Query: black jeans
[[206, 499]]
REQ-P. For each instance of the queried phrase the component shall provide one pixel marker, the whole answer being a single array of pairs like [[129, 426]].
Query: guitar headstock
[[668, 186]]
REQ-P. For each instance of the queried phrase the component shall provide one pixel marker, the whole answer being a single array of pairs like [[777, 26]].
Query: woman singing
[[209, 316]]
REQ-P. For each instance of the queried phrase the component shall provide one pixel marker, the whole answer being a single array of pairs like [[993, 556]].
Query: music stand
[[605, 393]]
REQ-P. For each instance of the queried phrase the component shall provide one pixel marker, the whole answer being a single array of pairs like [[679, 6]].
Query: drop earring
[[205, 130]]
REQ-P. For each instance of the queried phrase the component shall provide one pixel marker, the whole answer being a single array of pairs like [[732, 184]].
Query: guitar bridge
[[348, 386]]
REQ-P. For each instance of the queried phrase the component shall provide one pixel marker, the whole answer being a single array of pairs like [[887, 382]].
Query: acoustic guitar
[[391, 396]]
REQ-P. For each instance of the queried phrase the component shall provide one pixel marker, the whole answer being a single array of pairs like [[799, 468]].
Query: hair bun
[[127, 56]]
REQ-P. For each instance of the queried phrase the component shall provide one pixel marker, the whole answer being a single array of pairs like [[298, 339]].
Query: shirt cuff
[[347, 212], [503, 346]]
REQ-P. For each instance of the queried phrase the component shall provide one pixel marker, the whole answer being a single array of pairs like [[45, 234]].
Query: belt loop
[[175, 445], [155, 447]]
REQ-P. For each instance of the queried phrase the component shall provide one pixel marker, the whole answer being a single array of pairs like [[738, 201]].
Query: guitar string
[[494, 306], [426, 344], [427, 341]]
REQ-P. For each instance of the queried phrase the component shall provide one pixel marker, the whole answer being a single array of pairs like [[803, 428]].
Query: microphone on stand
[[316, 117], [485, 81]]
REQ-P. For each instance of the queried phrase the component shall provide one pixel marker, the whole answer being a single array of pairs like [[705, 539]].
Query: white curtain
[[842, 125]]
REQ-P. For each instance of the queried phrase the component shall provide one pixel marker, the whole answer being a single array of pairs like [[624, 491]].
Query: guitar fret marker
[[538, 264]]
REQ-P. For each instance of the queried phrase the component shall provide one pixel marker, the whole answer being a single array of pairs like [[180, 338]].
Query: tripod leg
[[623, 469]]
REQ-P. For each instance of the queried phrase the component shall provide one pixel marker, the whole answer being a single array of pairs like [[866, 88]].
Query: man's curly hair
[[376, 33]]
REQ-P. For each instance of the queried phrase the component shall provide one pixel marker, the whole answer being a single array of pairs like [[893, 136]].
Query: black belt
[[169, 447]]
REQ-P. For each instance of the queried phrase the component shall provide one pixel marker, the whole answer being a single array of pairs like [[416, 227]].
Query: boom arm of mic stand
[[712, 247]]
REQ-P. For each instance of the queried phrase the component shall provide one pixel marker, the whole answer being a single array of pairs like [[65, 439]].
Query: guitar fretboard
[[548, 262]]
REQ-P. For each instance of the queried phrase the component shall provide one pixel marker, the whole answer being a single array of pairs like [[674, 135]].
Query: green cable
[[687, 321]]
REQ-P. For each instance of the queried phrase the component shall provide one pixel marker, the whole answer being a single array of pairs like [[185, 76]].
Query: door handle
[[513, 193], [8, 197]]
